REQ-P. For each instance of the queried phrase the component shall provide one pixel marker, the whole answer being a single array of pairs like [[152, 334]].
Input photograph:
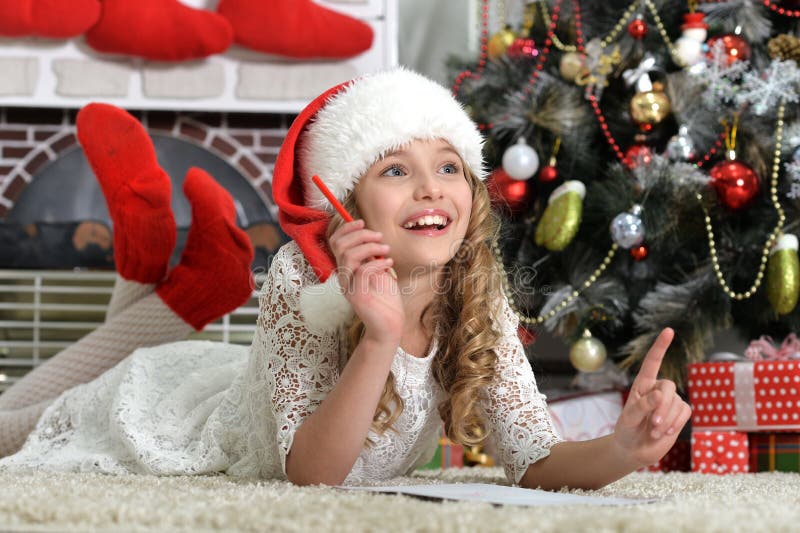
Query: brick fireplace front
[[45, 307], [30, 138], [230, 110]]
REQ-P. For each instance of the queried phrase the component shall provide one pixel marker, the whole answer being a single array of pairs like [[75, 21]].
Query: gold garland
[[619, 26], [663, 31], [563, 303], [611, 37], [772, 236], [556, 41]]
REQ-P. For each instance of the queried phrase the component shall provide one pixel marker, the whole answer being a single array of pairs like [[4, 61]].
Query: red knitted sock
[[295, 28], [56, 19], [161, 30], [137, 190], [213, 277]]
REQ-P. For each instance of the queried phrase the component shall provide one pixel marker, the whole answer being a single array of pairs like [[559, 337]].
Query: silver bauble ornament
[[627, 229], [681, 147], [520, 161], [587, 354]]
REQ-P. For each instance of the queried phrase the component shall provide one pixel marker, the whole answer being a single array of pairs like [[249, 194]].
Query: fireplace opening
[[56, 256], [60, 220]]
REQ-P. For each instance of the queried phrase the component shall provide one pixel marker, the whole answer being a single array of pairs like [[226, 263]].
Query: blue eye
[[450, 168], [393, 171]]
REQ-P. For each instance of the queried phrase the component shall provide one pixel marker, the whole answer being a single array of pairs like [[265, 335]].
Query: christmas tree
[[644, 156]]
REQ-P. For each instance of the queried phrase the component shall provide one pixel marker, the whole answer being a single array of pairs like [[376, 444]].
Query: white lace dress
[[199, 407]]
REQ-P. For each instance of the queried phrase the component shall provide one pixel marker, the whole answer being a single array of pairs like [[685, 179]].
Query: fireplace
[[58, 217], [56, 262], [227, 113]]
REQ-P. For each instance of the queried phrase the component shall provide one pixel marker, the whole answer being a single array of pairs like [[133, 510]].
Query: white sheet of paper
[[499, 494]]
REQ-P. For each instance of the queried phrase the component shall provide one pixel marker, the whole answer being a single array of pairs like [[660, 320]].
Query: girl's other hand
[[654, 414], [365, 274]]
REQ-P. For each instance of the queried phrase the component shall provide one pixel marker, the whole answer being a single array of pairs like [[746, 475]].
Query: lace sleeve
[[301, 366], [516, 411]]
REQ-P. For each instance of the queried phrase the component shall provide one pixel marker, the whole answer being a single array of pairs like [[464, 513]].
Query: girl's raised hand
[[365, 274], [654, 413]]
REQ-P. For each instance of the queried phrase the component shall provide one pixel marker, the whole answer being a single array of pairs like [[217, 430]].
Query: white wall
[[432, 30]]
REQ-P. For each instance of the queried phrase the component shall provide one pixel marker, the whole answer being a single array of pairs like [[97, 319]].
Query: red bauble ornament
[[522, 48], [637, 155], [637, 28], [736, 183], [548, 173], [526, 336], [736, 48], [639, 253], [506, 191]]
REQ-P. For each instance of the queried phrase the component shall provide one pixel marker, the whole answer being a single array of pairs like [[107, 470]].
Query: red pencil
[[331, 198], [339, 207]]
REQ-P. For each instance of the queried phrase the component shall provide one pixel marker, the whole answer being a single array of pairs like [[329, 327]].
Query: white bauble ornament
[[587, 354], [521, 161]]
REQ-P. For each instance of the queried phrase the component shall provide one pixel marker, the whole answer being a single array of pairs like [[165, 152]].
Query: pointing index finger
[[654, 357]]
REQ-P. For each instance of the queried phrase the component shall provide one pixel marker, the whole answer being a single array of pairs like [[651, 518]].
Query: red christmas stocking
[[161, 30], [136, 189], [295, 28], [213, 277], [58, 19]]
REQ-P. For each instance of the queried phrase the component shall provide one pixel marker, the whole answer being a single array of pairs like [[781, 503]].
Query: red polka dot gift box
[[745, 395], [720, 452]]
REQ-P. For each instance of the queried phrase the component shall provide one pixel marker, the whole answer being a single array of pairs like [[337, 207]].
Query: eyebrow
[[400, 151]]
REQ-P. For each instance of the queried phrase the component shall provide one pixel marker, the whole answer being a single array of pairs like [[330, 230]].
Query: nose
[[427, 187]]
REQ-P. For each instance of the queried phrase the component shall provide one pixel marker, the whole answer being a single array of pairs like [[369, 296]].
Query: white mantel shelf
[[69, 74]]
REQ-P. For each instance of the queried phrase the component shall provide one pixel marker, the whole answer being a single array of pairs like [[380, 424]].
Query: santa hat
[[338, 136]]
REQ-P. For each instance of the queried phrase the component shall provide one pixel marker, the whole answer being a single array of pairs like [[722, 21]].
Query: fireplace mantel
[[68, 74]]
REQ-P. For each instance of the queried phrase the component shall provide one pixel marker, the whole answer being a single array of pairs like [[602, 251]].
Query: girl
[[371, 333]]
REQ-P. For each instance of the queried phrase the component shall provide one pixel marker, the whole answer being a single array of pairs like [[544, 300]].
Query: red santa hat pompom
[[338, 136]]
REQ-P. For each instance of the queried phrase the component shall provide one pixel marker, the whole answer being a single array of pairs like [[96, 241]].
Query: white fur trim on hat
[[324, 306], [374, 115]]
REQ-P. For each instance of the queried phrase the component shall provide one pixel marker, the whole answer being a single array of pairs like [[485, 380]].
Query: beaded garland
[[772, 236]]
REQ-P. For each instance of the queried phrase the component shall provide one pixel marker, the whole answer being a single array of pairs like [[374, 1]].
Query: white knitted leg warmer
[[125, 294]]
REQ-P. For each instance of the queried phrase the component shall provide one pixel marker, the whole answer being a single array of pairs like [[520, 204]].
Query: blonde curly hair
[[466, 363]]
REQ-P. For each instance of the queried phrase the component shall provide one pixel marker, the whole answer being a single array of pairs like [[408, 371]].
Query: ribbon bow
[[634, 75], [763, 348]]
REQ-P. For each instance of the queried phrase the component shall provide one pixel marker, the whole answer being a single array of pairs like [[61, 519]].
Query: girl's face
[[419, 198]]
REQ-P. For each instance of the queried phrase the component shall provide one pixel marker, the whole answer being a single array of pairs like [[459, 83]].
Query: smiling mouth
[[428, 223]]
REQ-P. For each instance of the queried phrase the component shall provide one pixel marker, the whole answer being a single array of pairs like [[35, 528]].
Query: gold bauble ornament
[[650, 107], [587, 354], [562, 216], [783, 275], [499, 42], [572, 64]]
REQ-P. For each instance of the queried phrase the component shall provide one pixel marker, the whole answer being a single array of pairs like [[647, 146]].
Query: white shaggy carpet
[[89, 502]]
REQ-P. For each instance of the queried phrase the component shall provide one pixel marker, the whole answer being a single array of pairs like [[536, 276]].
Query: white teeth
[[428, 220]]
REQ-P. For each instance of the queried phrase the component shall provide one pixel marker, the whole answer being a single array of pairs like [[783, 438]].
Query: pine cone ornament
[[784, 47]]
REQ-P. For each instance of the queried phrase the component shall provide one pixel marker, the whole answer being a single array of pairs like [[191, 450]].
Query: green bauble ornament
[[587, 354], [562, 216], [783, 275]]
